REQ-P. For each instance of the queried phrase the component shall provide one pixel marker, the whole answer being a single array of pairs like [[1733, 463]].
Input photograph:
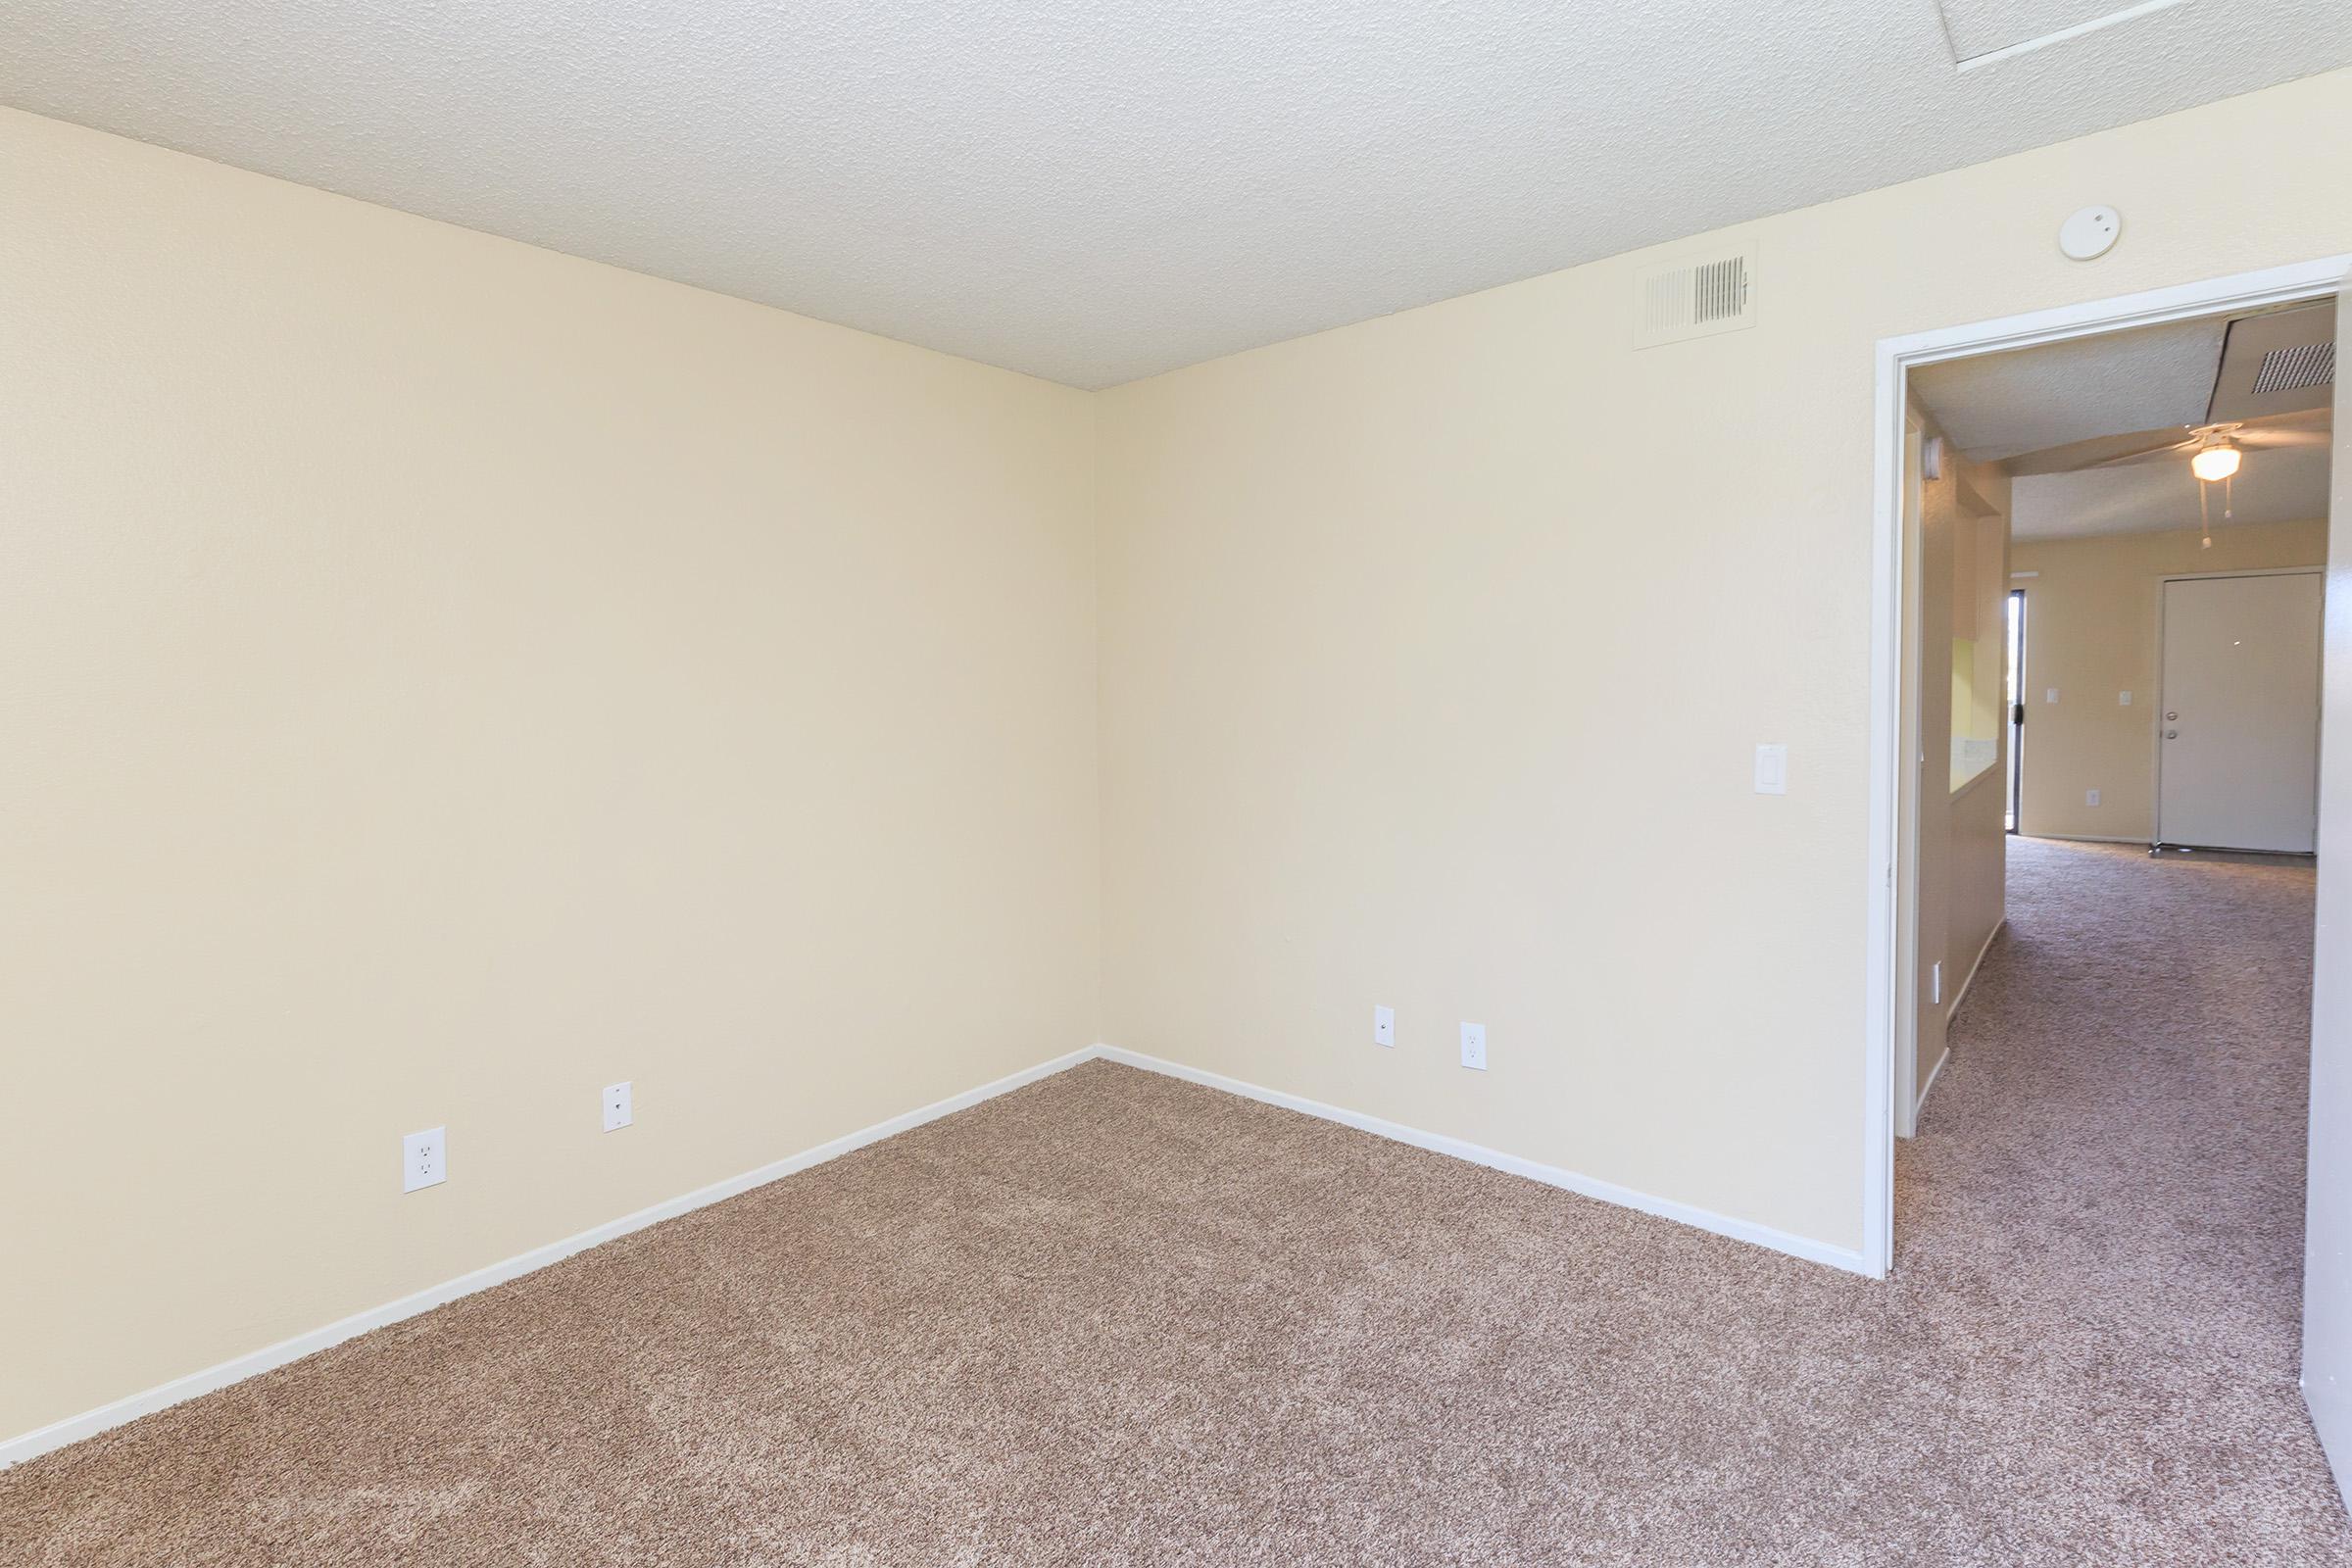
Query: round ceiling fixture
[[2091, 233], [2215, 463]]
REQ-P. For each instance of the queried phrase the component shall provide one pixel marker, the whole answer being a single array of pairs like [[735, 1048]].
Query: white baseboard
[[1933, 1073], [1803, 1247], [1954, 1011], [1978, 963], [73, 1429], [2087, 838]]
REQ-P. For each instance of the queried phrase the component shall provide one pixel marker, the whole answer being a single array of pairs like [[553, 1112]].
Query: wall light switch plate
[[2049, 694], [1772, 769], [1474, 1046], [2123, 699], [1384, 1026], [617, 1112], [424, 1158], [2090, 797]]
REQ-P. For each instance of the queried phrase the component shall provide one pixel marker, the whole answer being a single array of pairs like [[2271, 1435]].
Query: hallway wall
[[1962, 545], [2092, 631]]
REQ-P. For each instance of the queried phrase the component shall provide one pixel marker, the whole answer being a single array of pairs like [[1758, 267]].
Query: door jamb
[[1893, 831]]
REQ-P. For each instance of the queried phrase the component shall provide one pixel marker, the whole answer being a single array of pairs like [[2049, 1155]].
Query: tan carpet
[[1118, 1320]]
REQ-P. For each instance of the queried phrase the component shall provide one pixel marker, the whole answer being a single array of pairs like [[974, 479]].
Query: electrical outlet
[[2090, 797], [617, 1112], [1384, 1026], [424, 1158], [1474, 1046]]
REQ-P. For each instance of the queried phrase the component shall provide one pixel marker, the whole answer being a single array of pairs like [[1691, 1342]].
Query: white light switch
[[2050, 695], [2090, 797], [1384, 1026], [617, 1110], [424, 1158], [1772, 770], [1474, 1046], [2123, 699]]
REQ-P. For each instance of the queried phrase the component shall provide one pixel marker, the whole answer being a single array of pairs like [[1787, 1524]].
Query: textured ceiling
[[1998, 404], [1095, 190]]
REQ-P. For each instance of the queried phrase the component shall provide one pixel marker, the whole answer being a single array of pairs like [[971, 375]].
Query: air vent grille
[[1694, 297], [2306, 365]]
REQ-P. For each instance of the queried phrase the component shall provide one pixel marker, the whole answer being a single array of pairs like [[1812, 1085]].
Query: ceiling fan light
[[2215, 463]]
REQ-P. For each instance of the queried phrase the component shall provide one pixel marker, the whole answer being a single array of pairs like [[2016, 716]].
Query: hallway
[[2104, 1205]]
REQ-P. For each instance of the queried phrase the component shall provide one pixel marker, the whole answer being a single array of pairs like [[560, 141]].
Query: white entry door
[[2238, 763]]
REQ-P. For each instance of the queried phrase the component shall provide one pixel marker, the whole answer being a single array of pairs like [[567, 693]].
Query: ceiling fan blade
[[2149, 454], [2274, 440], [2099, 452]]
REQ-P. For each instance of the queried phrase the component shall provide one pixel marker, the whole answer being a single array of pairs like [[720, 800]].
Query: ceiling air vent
[[1693, 297], [2292, 369]]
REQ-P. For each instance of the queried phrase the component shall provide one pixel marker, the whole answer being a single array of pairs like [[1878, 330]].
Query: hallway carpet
[[1115, 1318]]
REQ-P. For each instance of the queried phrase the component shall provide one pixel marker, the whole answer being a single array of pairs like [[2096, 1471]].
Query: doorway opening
[[2155, 499], [2152, 486], [1955, 682]]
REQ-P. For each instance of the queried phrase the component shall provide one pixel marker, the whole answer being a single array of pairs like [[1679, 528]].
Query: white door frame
[[2163, 702], [1894, 828]]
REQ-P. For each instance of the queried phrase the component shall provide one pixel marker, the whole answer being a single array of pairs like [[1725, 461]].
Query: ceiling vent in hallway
[[2292, 369], [2279, 361], [1693, 297]]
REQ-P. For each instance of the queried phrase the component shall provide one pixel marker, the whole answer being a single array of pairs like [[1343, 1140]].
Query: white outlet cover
[[2123, 699], [2090, 797], [620, 1110], [2050, 693], [1474, 1047], [1384, 1026], [424, 1159]]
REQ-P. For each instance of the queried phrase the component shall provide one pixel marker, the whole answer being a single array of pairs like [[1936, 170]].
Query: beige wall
[[443, 679], [2091, 630], [1435, 650], [1960, 538]]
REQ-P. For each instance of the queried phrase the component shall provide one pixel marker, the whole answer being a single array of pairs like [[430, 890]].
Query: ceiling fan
[[2213, 450]]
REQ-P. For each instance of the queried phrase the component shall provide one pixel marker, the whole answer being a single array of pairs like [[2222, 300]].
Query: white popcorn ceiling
[[1996, 406], [1096, 190]]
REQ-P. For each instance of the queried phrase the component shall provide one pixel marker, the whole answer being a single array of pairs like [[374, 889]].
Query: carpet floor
[[1116, 1318]]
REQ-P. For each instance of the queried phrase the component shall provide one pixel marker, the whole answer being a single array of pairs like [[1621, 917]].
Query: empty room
[[1103, 784]]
